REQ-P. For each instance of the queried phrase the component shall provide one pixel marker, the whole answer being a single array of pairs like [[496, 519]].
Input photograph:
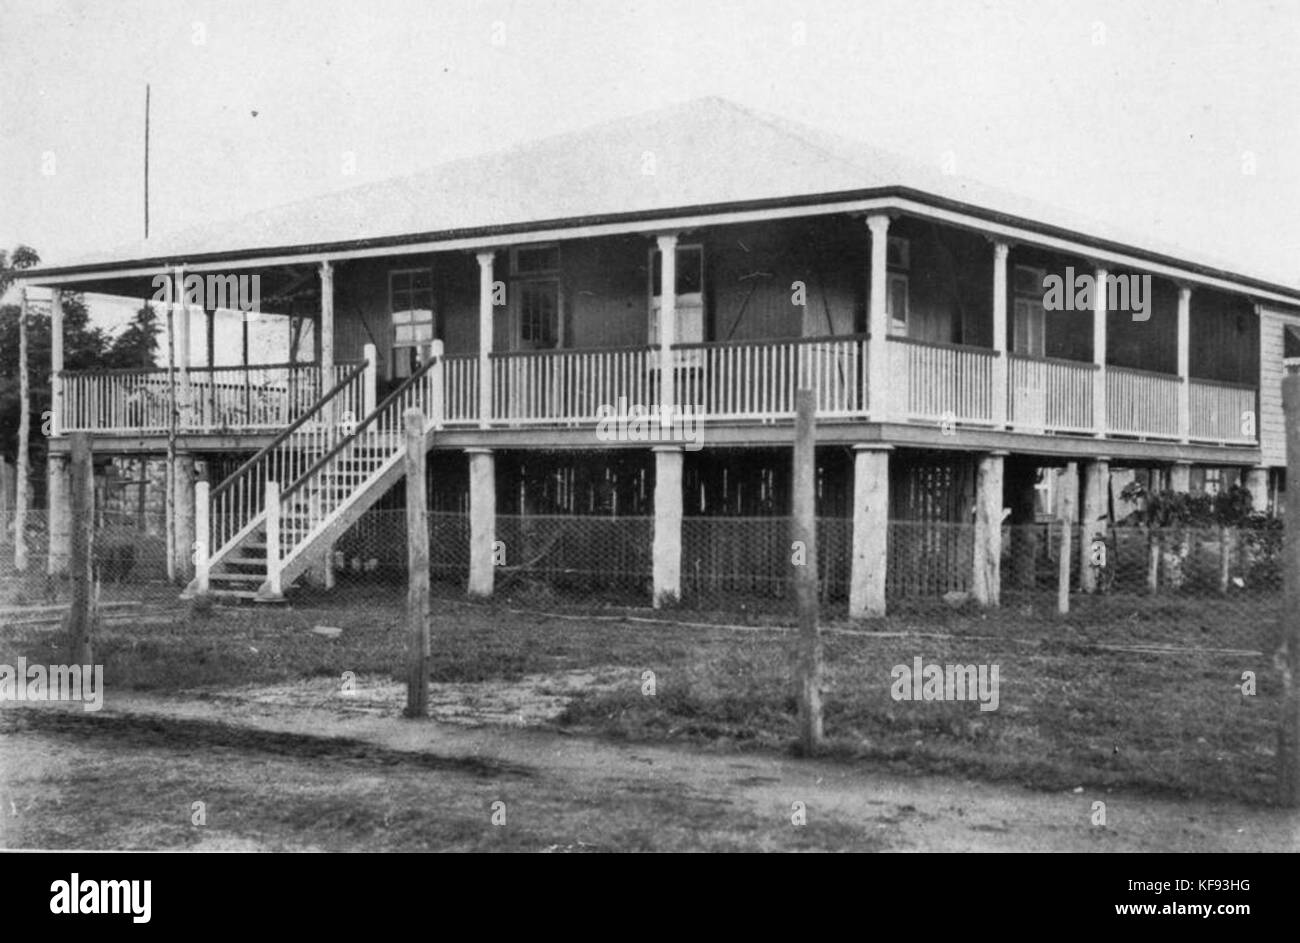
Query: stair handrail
[[237, 504], [226, 484], [375, 414], [426, 382]]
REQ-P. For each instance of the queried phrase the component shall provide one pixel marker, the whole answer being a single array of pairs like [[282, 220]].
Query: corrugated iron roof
[[706, 152]]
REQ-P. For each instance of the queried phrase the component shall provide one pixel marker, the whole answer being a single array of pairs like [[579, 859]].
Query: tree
[[24, 257], [137, 345], [84, 347]]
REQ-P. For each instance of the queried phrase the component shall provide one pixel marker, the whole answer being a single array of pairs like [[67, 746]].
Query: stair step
[[237, 577], [245, 561], [234, 594]]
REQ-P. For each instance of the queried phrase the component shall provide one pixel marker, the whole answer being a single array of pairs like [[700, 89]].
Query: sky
[[1174, 119]]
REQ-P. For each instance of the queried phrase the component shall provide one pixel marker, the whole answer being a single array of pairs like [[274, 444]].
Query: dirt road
[[247, 772]]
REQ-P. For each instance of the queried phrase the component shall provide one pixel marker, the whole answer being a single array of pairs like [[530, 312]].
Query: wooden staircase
[[268, 534]]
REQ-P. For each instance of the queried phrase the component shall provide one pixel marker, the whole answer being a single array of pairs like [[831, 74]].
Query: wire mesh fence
[[747, 564], [129, 560], [738, 565], [37, 541]]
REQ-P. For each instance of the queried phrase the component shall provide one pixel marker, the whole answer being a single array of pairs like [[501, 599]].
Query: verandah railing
[[758, 379], [941, 382], [208, 399], [1050, 394], [731, 380], [568, 385], [1223, 412], [460, 388], [1139, 402]]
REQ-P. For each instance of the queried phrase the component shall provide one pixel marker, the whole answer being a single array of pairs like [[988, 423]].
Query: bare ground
[[302, 766]]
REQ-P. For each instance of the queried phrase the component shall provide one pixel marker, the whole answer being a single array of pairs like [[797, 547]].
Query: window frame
[[1037, 312], [898, 326], [517, 310], [903, 259], [517, 272], [685, 300], [394, 345]]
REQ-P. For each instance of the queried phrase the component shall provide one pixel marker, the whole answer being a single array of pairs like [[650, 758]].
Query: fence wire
[[736, 564], [747, 564]]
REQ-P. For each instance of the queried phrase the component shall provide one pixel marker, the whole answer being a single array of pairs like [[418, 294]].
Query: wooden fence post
[[418, 650], [803, 533], [1155, 549], [170, 487], [22, 497], [80, 615], [1226, 538], [1288, 753], [4, 498]]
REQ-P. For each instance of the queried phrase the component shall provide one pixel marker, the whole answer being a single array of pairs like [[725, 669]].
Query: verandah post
[[210, 328], [1069, 485], [987, 581], [1000, 365], [666, 542], [434, 385], [58, 516], [1184, 363], [1099, 420], [56, 362], [482, 522], [869, 566], [183, 508], [1095, 520], [368, 400], [878, 379], [667, 320], [202, 535], [273, 586], [485, 299]]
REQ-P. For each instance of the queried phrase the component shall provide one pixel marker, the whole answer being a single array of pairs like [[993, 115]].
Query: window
[[1028, 328], [539, 307], [1291, 342], [898, 253], [535, 301], [896, 303], [690, 294], [535, 260], [690, 271], [410, 293]]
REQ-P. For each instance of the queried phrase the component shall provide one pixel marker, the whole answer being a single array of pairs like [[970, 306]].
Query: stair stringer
[[311, 549], [249, 530]]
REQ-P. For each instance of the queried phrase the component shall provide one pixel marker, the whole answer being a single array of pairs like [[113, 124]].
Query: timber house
[[704, 256]]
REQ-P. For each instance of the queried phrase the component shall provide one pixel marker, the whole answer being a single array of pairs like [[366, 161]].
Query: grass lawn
[[1072, 712]]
